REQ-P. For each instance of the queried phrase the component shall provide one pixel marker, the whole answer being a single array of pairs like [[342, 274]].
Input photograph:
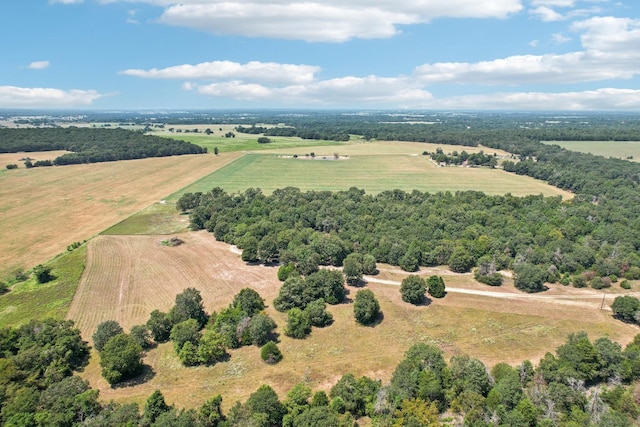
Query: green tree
[[211, 347], [140, 333], [270, 353], [530, 278], [436, 286], [413, 289], [120, 359], [249, 301], [154, 407], [625, 308], [352, 268], [188, 354], [317, 313], [366, 307], [249, 247], [160, 326], [267, 250], [298, 323], [187, 331], [43, 273], [104, 332], [265, 401], [461, 261], [261, 329], [211, 412], [369, 264], [188, 306]]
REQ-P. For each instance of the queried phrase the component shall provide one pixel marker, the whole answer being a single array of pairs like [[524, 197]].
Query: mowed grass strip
[[372, 173], [30, 300], [616, 149], [149, 276], [46, 209]]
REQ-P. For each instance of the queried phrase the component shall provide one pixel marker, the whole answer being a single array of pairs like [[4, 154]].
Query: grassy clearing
[[133, 275], [46, 209], [159, 218], [31, 300], [615, 149], [241, 142], [373, 173]]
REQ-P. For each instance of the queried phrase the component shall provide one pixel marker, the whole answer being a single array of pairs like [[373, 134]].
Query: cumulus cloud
[[610, 52], [218, 70], [370, 90], [20, 97], [595, 100], [320, 20], [39, 65]]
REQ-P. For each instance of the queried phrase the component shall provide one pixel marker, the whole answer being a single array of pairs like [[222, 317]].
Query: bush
[[43, 273], [530, 278], [298, 323], [270, 353], [625, 284], [625, 308], [12, 166], [120, 359], [494, 279], [263, 140], [285, 271], [366, 307], [413, 289], [436, 286]]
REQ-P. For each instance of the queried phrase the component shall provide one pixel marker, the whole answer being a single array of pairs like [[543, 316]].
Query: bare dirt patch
[[127, 277]]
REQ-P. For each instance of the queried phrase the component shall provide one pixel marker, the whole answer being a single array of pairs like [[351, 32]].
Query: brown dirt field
[[46, 209], [132, 275]]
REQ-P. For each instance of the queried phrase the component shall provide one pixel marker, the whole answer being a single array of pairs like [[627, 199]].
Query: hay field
[[132, 275], [46, 209], [615, 149], [14, 158], [373, 173]]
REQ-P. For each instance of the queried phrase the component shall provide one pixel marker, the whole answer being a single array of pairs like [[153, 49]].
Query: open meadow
[[629, 150], [133, 275], [46, 209]]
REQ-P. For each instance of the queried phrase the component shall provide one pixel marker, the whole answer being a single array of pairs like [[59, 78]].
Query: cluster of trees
[[414, 288], [583, 383], [473, 159], [89, 145], [302, 131], [543, 239]]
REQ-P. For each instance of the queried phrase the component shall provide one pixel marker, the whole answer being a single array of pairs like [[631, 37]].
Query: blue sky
[[318, 54]]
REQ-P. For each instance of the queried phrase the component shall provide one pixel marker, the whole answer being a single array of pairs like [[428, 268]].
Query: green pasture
[[158, 218], [246, 142], [615, 149], [30, 300], [373, 173]]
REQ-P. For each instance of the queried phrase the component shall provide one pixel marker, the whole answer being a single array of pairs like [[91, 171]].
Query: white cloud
[[39, 65], [546, 14], [370, 90], [65, 1], [560, 38], [217, 70], [553, 3], [595, 100], [534, 43], [610, 52], [320, 20], [20, 97]]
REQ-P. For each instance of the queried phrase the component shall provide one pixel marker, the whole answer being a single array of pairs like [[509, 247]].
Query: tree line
[[89, 145]]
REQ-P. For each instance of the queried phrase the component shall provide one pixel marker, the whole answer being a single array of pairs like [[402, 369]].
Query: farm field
[[373, 173], [615, 149], [132, 275], [46, 209]]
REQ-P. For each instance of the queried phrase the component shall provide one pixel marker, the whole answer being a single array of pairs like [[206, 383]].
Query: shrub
[[413, 289], [12, 166], [494, 279], [298, 323], [285, 271], [270, 353], [43, 273], [625, 308], [366, 307], [263, 140], [436, 286], [625, 284]]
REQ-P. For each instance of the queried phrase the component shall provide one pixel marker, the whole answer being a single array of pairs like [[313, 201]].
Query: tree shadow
[[146, 375]]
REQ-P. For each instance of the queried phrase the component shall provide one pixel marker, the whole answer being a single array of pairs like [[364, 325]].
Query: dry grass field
[[629, 150], [46, 209], [132, 275]]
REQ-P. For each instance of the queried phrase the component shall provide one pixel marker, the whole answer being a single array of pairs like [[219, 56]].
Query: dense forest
[[585, 383], [90, 145]]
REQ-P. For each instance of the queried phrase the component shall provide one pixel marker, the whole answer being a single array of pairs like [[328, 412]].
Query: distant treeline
[[89, 145], [326, 133]]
